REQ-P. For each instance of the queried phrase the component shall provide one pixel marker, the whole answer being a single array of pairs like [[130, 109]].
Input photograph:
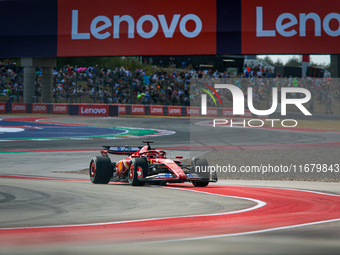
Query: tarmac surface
[[45, 192]]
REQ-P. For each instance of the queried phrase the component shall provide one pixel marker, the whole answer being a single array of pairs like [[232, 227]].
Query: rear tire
[[138, 169], [100, 170]]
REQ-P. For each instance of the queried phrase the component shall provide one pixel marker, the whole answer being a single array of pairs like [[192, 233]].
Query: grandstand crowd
[[164, 87]]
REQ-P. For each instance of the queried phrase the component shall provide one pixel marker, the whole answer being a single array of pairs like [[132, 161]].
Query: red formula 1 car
[[148, 165]]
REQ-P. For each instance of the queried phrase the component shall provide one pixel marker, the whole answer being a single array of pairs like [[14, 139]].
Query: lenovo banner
[[247, 114], [122, 109], [156, 110], [99, 110], [135, 27], [39, 108], [2, 107], [175, 110], [59, 108], [19, 108], [227, 112], [193, 111], [137, 109], [292, 27], [212, 111]]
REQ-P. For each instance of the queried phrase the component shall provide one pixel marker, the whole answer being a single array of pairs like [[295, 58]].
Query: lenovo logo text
[[176, 110], [92, 110], [288, 25], [37, 108], [59, 108], [138, 109], [18, 107], [103, 27], [156, 110]]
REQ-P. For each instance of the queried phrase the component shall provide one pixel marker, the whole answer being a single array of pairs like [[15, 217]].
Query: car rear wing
[[120, 150]]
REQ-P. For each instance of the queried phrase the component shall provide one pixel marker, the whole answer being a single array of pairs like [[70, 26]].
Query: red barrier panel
[[97, 110], [2, 107], [212, 112], [227, 112], [156, 110], [122, 28], [247, 114], [193, 111], [262, 116], [137, 109], [39, 108], [104, 110], [19, 108], [174, 110], [297, 27], [59, 109], [122, 109]]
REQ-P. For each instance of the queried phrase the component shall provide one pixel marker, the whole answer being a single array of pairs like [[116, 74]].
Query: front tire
[[203, 164], [138, 170], [200, 184], [100, 170]]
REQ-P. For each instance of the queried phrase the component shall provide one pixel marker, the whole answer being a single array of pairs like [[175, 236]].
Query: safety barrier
[[115, 110]]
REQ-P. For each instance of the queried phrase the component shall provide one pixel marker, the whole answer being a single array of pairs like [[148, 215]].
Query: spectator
[[122, 85]]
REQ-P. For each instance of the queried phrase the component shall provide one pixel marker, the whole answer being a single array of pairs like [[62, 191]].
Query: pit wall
[[115, 110]]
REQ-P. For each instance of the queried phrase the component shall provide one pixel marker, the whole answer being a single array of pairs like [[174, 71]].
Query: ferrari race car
[[148, 165]]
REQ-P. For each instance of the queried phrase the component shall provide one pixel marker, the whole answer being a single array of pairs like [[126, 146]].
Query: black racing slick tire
[[100, 170], [201, 162], [138, 170], [200, 184]]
